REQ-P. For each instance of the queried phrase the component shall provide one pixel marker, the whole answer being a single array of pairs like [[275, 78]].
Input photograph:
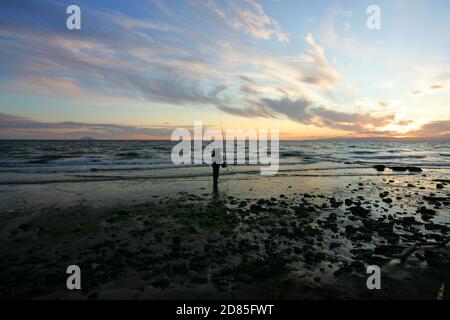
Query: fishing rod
[[227, 167]]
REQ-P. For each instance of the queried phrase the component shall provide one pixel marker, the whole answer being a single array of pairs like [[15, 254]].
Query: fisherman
[[217, 162]]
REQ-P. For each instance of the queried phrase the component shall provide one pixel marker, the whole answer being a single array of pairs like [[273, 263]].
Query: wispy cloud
[[307, 112], [437, 129], [247, 16], [315, 67], [15, 127]]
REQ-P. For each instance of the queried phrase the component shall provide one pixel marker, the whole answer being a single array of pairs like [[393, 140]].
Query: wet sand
[[298, 235]]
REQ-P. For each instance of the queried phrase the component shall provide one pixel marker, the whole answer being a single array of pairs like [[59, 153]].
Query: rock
[[400, 169], [385, 250], [349, 230], [297, 250], [334, 245], [414, 169], [343, 270], [427, 214], [161, 283], [243, 277], [25, 227], [147, 276], [384, 194], [243, 204], [359, 211], [255, 208], [332, 217], [348, 202], [420, 256], [439, 186], [438, 258], [198, 264], [379, 167], [409, 221], [335, 203], [176, 240]]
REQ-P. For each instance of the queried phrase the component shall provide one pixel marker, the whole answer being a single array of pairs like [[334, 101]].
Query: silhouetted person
[[216, 164]]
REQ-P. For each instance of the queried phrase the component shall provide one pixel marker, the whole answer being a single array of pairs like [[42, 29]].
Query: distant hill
[[87, 138]]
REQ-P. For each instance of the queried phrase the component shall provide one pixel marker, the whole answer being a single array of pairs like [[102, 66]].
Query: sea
[[44, 161]]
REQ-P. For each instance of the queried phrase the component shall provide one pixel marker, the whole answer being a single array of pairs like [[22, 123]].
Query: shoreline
[[312, 237]]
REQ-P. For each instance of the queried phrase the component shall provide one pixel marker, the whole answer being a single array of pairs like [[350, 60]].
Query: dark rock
[[334, 245], [332, 217], [24, 227], [379, 167], [387, 250], [438, 258], [161, 283], [409, 221], [427, 214], [384, 194], [335, 203], [400, 169], [243, 277], [297, 250], [359, 211]]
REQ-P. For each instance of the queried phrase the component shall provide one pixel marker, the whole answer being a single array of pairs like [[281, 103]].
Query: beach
[[154, 231]]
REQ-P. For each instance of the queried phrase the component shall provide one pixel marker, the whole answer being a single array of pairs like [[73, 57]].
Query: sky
[[140, 69]]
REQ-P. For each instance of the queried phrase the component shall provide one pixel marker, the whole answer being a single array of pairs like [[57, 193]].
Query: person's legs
[[215, 176]]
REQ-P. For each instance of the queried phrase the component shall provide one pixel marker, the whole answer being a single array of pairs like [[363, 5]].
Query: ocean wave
[[292, 154], [394, 157], [365, 152], [128, 154]]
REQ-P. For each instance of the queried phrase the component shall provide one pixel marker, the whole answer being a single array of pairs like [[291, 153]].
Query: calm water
[[48, 157]]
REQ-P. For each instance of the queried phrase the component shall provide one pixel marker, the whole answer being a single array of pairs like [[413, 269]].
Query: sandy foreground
[[291, 236]]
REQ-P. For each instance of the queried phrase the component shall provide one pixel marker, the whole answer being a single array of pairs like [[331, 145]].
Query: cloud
[[383, 103], [173, 64], [122, 57], [431, 79], [253, 109], [16, 127], [315, 68], [308, 112], [438, 129], [249, 89], [404, 122], [296, 110], [248, 16]]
